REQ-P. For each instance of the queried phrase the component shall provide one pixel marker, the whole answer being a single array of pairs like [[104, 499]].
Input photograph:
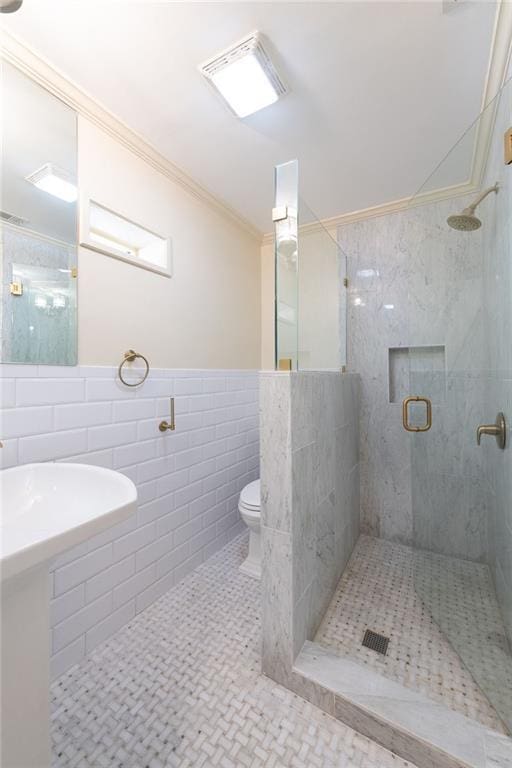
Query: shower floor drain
[[375, 642]]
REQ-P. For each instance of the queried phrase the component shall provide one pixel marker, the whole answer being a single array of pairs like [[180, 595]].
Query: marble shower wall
[[309, 432], [416, 283], [497, 246]]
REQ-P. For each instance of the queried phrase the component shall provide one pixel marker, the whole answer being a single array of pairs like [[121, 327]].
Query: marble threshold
[[406, 722]]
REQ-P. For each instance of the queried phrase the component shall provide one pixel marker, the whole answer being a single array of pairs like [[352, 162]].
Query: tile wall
[[188, 481], [416, 285], [310, 503]]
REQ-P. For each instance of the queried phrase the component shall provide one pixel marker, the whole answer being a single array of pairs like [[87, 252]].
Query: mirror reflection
[[38, 225]]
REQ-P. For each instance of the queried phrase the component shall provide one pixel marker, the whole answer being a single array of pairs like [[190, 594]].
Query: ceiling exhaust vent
[[245, 76]]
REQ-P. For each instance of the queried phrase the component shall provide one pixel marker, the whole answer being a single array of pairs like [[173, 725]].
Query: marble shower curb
[[405, 722]]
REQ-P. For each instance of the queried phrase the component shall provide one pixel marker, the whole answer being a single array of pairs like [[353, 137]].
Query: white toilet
[[249, 506]]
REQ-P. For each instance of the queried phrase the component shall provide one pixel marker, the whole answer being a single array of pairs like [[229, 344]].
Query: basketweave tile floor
[[398, 591], [180, 685]]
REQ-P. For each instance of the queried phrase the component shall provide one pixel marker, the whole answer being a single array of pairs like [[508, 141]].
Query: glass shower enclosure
[[310, 290], [460, 320], [433, 336]]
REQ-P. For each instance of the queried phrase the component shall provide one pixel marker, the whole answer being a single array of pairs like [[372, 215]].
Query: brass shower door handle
[[405, 413]]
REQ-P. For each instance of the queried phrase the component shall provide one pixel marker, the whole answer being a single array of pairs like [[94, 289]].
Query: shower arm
[[481, 197]]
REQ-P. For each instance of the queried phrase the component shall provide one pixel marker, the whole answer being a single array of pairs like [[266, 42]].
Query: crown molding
[[384, 209], [20, 229], [32, 64], [41, 71], [499, 59]]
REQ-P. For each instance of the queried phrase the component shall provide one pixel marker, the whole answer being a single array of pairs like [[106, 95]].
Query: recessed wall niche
[[417, 371]]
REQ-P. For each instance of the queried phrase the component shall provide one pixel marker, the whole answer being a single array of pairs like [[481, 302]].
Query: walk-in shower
[[388, 484], [433, 569]]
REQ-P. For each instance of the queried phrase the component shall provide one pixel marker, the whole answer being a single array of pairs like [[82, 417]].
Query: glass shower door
[[460, 360]]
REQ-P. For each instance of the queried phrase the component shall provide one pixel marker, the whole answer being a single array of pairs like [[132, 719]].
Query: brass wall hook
[[164, 425]]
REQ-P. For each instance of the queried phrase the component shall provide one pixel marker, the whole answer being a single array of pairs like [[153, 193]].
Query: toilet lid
[[250, 495]]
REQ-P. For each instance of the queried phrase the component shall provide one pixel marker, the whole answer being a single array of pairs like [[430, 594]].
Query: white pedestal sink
[[45, 509]]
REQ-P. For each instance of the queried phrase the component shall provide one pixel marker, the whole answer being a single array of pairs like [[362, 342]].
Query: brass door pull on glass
[[164, 425], [405, 413], [499, 430]]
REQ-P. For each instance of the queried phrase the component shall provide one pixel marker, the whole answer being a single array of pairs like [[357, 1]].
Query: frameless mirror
[[38, 220]]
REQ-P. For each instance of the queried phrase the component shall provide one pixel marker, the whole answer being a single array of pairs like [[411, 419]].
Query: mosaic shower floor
[[381, 589], [180, 685]]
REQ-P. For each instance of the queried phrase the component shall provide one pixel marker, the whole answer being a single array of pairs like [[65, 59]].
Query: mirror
[[38, 220]]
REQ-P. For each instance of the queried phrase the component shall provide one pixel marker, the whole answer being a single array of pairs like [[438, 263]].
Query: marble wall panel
[[415, 283], [277, 592], [310, 503], [276, 465]]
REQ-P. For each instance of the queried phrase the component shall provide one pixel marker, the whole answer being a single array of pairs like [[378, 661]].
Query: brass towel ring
[[129, 357]]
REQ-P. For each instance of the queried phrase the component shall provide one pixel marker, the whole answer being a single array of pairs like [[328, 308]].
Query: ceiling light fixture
[[244, 76], [55, 181]]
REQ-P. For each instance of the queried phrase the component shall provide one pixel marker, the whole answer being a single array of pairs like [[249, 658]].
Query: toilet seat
[[249, 506], [250, 515], [250, 499]]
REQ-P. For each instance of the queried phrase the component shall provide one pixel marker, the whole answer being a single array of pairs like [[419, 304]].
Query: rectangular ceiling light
[[55, 181], [245, 76]]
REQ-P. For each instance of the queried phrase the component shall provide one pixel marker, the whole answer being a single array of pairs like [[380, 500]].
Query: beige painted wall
[[207, 315]]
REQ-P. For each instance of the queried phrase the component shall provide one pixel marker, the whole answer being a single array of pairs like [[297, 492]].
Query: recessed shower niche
[[417, 371]]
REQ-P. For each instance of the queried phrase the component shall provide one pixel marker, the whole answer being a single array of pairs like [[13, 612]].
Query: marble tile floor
[[180, 685], [377, 591]]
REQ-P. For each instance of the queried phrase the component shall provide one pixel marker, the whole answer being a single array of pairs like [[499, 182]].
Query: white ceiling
[[379, 91]]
